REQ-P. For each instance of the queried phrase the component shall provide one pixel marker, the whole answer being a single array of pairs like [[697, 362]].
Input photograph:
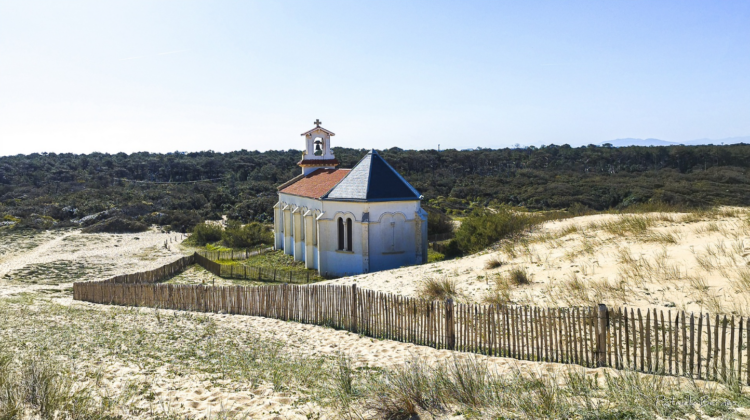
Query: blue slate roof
[[373, 179]]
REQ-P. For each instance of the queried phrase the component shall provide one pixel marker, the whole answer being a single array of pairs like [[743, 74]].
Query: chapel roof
[[318, 162], [318, 128], [372, 179], [316, 184]]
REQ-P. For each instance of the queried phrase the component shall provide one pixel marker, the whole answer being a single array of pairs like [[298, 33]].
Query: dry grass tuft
[[494, 262], [500, 292], [569, 230], [471, 387], [710, 227], [628, 224], [741, 280], [438, 289], [661, 237], [509, 249], [39, 388], [519, 276]]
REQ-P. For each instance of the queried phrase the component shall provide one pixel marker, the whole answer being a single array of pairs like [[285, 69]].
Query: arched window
[[341, 234], [348, 234]]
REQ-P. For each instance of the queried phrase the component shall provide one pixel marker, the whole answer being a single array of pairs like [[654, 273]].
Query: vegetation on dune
[[472, 388], [117, 225], [205, 233], [37, 386], [66, 381], [438, 289], [484, 227], [438, 223], [493, 262], [237, 235], [276, 259], [179, 190], [434, 256], [234, 235]]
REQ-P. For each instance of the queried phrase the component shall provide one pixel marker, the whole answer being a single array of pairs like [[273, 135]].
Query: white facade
[[384, 235], [346, 236]]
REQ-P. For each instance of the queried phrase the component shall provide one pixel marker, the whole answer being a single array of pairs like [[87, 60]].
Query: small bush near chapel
[[484, 227], [204, 233], [437, 222], [252, 234]]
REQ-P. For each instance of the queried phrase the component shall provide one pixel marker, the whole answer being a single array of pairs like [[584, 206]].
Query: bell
[[317, 147]]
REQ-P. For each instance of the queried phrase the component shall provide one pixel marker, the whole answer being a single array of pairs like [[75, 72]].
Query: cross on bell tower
[[317, 122]]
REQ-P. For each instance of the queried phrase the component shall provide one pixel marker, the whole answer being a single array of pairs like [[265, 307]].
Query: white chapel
[[349, 221]]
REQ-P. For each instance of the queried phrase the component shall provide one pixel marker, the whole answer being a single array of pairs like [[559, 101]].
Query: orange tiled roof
[[318, 162], [317, 184]]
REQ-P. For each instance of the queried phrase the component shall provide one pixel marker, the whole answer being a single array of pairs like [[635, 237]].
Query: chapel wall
[[388, 246], [333, 261]]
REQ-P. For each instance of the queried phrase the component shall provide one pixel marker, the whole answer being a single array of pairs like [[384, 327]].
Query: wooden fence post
[[450, 332], [353, 326], [601, 339], [284, 299]]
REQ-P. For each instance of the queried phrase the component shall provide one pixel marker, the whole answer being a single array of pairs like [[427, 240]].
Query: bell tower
[[318, 153]]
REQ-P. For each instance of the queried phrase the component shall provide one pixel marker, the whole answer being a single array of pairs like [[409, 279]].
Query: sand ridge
[[679, 261]]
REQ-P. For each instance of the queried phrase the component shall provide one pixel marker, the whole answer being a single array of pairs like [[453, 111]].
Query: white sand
[[551, 262], [670, 275], [59, 258]]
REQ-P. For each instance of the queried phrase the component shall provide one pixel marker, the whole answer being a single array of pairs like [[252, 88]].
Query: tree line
[[180, 189]]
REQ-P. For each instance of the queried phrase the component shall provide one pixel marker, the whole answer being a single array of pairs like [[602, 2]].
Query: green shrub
[[579, 209], [452, 250], [434, 256], [438, 222], [238, 236], [36, 221], [204, 233], [117, 225], [484, 227]]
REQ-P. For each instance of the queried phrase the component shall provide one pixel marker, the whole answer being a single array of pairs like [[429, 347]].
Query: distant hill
[[656, 142]]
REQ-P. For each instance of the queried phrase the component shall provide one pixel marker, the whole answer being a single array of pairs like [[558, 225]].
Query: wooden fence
[[677, 344], [156, 275], [235, 271], [232, 255], [222, 270]]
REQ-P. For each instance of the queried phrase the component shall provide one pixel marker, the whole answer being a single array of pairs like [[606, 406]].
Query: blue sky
[[109, 76]]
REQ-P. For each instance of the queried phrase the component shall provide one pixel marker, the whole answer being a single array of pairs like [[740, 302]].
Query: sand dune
[[690, 262], [703, 259]]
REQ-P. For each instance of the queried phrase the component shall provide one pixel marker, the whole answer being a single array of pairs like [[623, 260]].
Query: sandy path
[[56, 259], [14, 261]]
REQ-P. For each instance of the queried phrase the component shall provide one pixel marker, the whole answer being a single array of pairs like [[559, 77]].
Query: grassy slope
[[161, 350]]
